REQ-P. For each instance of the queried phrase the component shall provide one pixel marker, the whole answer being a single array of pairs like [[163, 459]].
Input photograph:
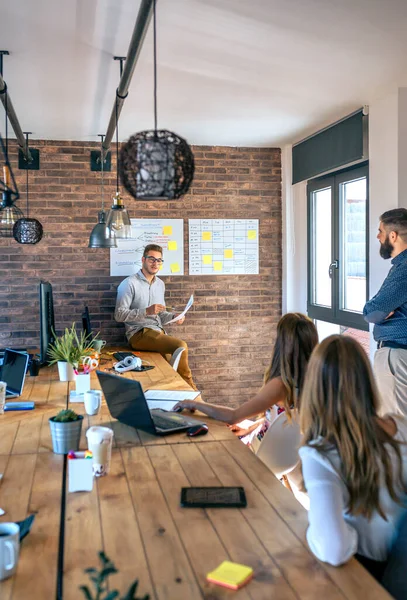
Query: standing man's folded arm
[[391, 296]]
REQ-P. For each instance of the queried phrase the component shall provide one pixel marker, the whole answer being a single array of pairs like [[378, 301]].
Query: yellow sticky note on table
[[230, 575], [167, 230], [207, 259], [252, 234], [175, 268], [217, 265], [172, 245], [206, 236], [228, 253]]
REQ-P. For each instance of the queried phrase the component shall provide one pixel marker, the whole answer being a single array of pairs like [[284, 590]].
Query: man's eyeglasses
[[159, 261]]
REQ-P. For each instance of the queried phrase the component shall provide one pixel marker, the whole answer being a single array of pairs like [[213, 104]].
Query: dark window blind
[[333, 147]]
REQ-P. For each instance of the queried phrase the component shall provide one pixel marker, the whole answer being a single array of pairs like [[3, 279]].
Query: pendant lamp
[[9, 213], [118, 219], [26, 230], [102, 236], [156, 164]]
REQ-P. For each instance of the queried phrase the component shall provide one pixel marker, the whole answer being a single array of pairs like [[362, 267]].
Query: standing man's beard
[[386, 248]]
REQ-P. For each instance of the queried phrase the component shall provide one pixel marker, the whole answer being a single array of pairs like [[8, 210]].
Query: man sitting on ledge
[[140, 306]]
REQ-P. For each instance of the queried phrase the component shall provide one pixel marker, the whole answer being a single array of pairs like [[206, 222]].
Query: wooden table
[[133, 514]]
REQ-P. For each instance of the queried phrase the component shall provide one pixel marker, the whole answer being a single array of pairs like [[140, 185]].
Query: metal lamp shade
[[101, 236], [156, 165], [27, 231]]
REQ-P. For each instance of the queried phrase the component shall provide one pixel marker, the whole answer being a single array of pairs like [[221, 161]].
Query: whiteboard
[[223, 246], [167, 233]]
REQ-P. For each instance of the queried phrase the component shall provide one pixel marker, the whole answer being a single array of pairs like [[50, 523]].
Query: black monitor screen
[[47, 320], [86, 322]]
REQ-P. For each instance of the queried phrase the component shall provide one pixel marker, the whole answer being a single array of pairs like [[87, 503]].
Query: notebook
[[127, 403], [13, 372]]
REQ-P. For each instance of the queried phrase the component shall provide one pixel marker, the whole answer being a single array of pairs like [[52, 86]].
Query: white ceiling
[[230, 72]]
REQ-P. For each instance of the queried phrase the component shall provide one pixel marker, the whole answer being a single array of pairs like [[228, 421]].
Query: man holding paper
[[141, 307]]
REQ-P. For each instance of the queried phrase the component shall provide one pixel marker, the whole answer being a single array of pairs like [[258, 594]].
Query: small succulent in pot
[[66, 429]]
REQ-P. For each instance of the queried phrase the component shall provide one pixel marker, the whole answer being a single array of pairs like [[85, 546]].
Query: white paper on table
[[169, 396], [186, 309]]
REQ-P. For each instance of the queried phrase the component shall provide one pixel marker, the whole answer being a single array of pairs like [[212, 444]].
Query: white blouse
[[333, 535]]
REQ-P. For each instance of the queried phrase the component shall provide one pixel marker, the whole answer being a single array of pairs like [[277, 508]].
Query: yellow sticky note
[[175, 268], [167, 230], [207, 259], [172, 245], [252, 234], [228, 253], [206, 236], [217, 265], [160, 268]]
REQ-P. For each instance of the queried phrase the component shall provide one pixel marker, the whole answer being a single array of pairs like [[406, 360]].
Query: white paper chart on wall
[[167, 233], [223, 246]]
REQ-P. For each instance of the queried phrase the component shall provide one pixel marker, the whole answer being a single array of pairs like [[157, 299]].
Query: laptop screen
[[13, 370]]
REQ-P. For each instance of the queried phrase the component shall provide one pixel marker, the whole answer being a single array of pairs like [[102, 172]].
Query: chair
[[279, 447], [176, 357]]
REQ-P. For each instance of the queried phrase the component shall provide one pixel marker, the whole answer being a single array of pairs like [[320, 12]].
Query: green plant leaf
[[86, 592], [112, 595]]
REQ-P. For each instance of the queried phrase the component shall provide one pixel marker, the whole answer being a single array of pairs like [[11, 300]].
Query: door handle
[[332, 266]]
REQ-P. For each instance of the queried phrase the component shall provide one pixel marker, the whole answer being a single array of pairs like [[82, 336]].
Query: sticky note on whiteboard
[[228, 253], [252, 234], [167, 230], [207, 259], [175, 268], [206, 236], [217, 265], [172, 245]]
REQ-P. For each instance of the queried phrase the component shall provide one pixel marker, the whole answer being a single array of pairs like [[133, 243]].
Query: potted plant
[[66, 429], [68, 350]]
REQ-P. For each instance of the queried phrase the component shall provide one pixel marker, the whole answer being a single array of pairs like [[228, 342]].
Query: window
[[338, 247]]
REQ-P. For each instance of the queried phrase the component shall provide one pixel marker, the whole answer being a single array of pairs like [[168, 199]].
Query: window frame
[[335, 314]]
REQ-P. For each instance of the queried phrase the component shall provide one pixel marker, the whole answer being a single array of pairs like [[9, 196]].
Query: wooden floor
[[134, 513]]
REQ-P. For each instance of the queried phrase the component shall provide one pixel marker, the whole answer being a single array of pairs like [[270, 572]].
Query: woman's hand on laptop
[[185, 404]]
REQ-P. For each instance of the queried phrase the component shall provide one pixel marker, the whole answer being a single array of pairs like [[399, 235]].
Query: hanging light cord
[[6, 96], [102, 165], [117, 147], [155, 66], [26, 179]]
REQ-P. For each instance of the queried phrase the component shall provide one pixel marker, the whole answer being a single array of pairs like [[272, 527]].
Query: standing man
[[140, 306], [388, 311]]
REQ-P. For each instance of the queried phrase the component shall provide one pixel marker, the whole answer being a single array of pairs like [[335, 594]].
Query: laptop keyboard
[[164, 423]]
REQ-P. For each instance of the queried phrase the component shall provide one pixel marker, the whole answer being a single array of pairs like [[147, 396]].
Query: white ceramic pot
[[65, 370]]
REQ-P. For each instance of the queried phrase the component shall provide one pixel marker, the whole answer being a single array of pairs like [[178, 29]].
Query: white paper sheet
[[170, 395], [186, 309]]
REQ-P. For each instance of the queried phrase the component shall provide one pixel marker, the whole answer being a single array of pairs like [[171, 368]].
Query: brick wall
[[231, 327]]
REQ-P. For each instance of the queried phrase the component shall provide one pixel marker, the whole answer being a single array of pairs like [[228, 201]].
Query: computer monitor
[[47, 320], [87, 329]]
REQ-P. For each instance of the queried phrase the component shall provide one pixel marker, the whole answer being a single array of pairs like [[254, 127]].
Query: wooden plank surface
[[134, 513]]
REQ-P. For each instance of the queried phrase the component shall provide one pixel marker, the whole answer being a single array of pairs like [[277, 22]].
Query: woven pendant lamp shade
[[27, 231], [156, 165]]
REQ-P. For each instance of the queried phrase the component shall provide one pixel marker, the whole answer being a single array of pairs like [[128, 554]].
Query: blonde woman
[[354, 463], [283, 380]]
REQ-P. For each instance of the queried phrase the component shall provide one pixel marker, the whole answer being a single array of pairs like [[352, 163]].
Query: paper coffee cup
[[100, 444]]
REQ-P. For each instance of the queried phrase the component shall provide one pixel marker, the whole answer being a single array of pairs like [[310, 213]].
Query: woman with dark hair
[[283, 380], [354, 463]]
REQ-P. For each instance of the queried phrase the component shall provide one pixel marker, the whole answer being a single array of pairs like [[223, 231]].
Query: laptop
[[127, 403], [13, 372]]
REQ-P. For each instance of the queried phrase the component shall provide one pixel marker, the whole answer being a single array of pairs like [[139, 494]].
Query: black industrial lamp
[[156, 164], [26, 230], [102, 236]]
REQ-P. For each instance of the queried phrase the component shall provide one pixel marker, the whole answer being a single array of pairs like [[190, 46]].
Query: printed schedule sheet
[[223, 246]]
